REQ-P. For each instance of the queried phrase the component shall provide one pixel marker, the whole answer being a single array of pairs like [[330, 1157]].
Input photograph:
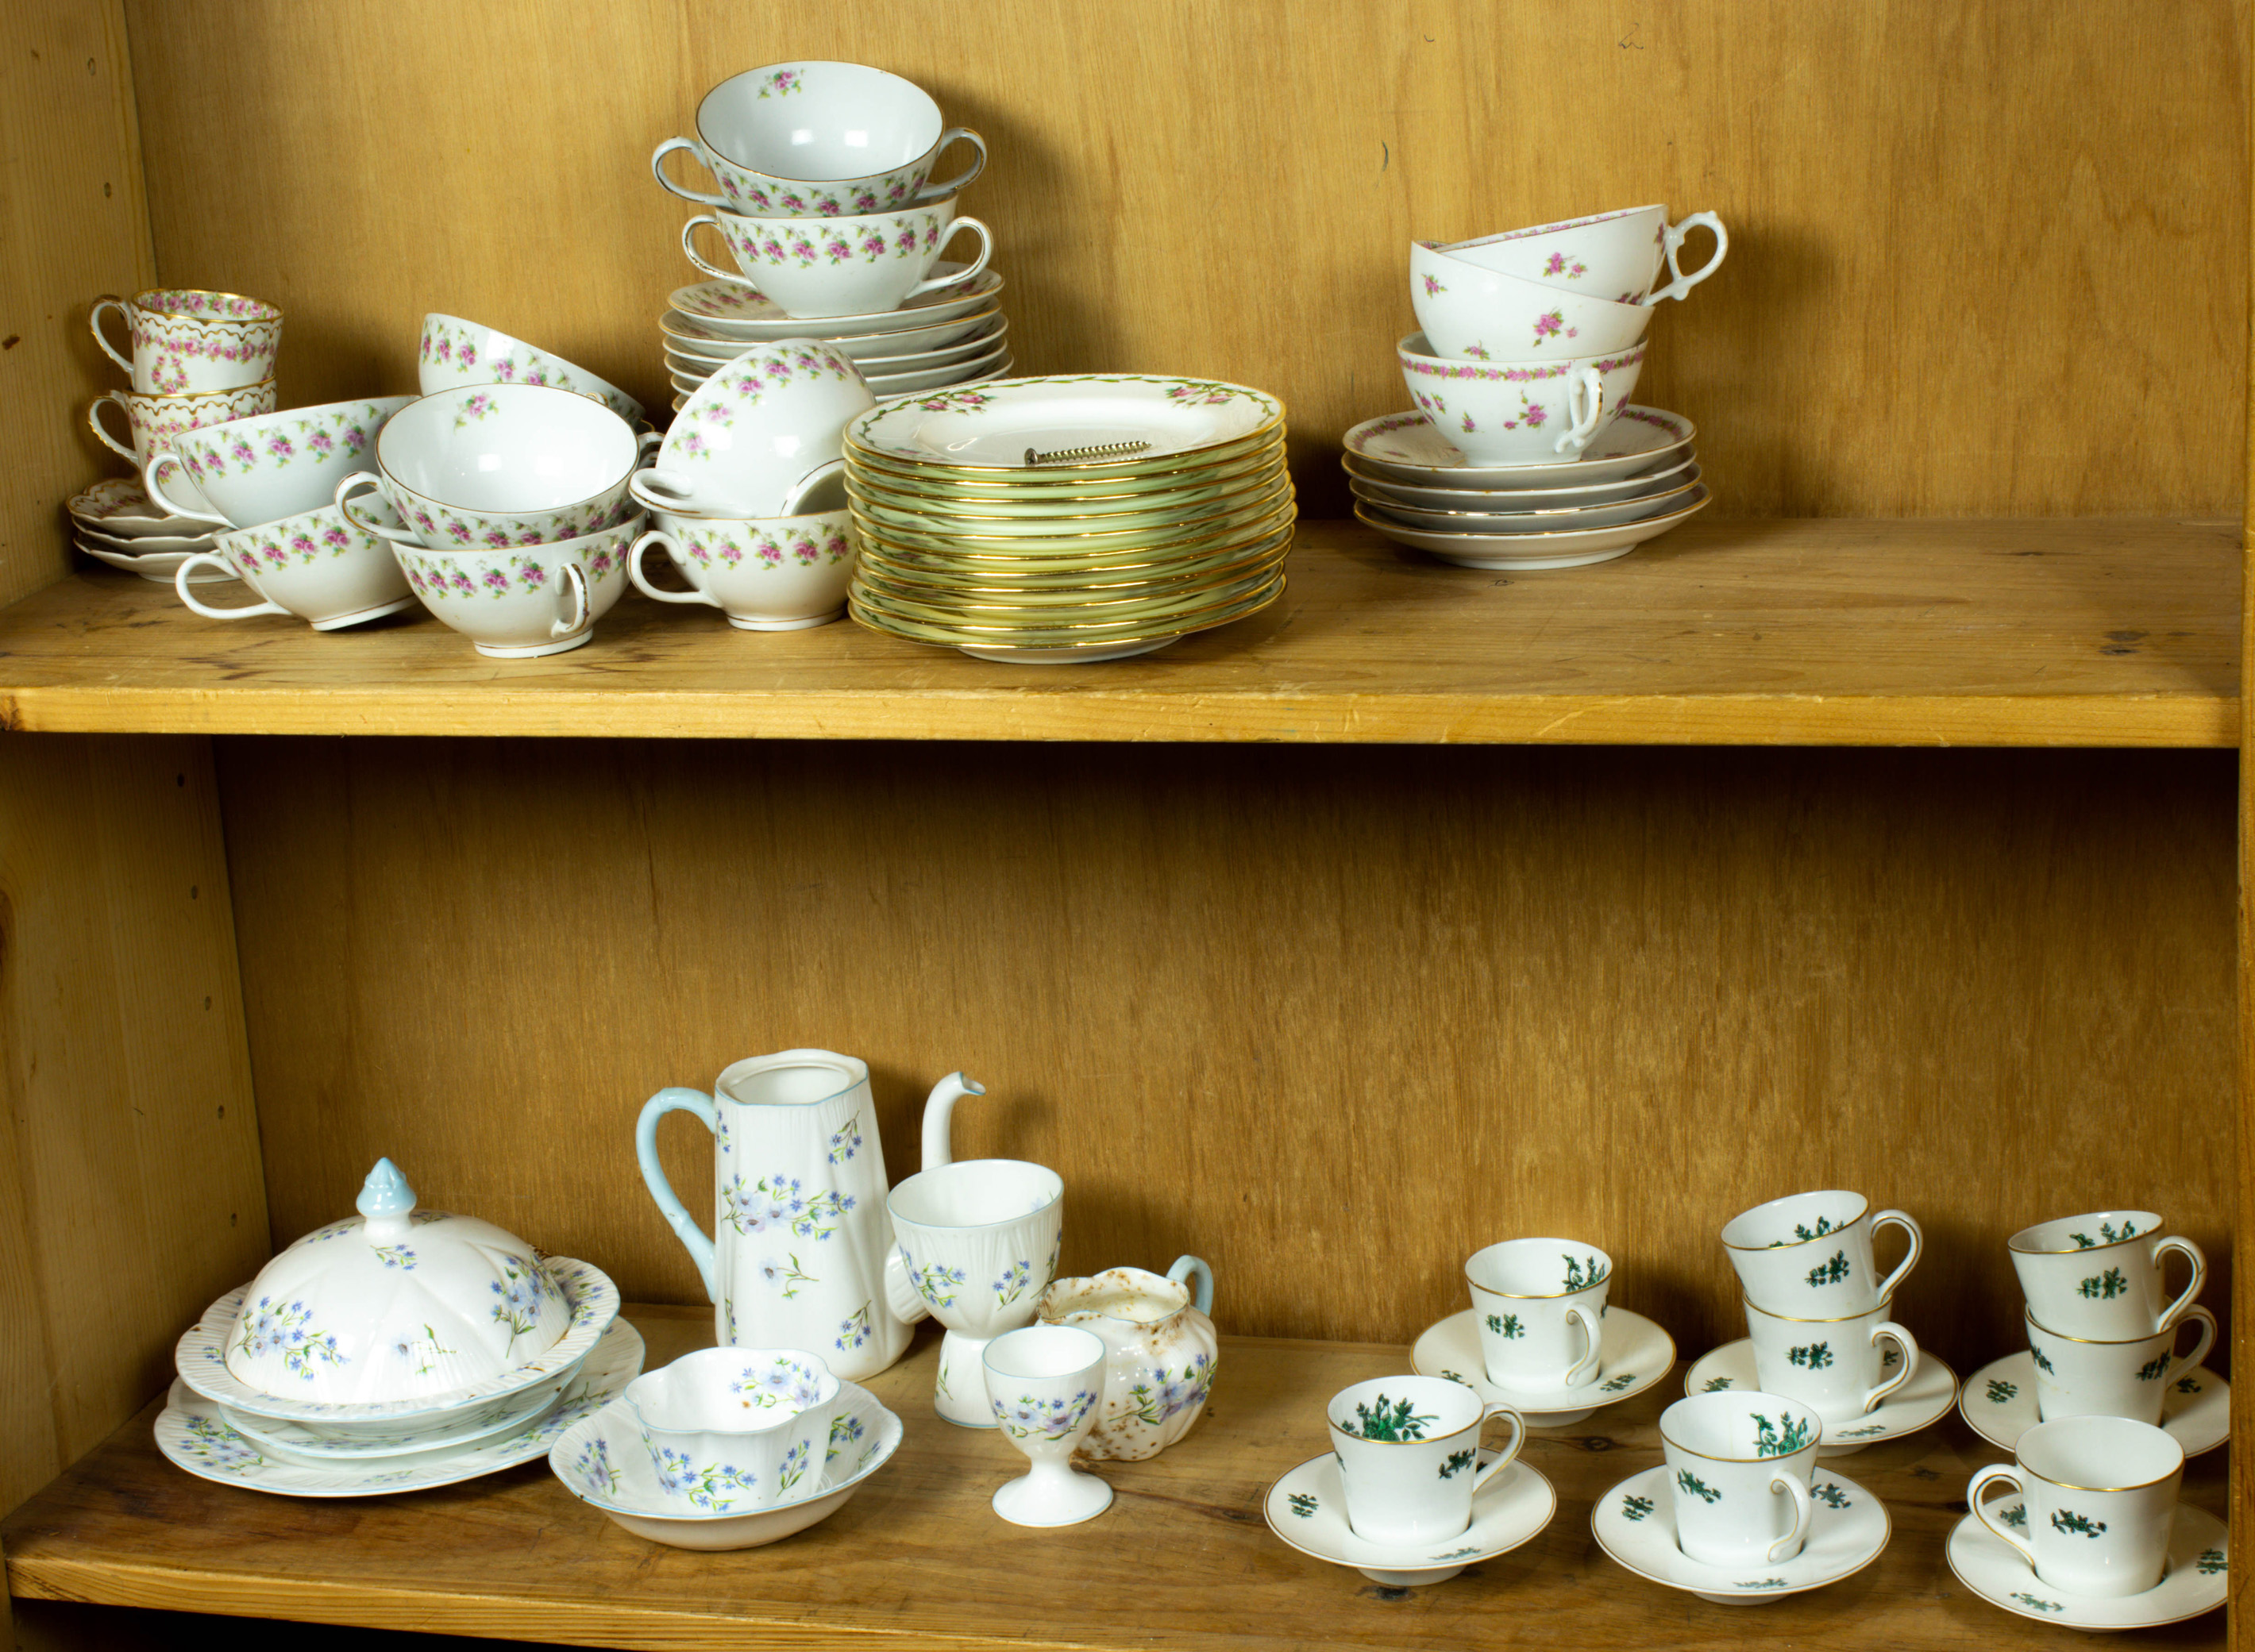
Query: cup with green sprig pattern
[[1541, 1306], [2099, 1274], [2100, 1496], [1738, 1474], [2086, 1376], [1409, 1454]]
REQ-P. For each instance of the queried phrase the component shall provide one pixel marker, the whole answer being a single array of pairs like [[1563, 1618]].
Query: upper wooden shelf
[[1182, 1559], [2053, 632]]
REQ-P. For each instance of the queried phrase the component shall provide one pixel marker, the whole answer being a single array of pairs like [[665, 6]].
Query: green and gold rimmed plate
[[1260, 486], [1190, 547], [911, 581], [1112, 640], [994, 504], [1064, 481], [1076, 611], [1085, 541], [990, 573], [1162, 422]]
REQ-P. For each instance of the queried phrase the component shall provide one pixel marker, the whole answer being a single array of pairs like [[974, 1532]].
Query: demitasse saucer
[[1406, 447], [1637, 1353], [2000, 1405], [1636, 1523], [1920, 1404], [2194, 1581], [1307, 1508]]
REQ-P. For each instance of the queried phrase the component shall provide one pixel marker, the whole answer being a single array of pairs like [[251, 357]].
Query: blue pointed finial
[[385, 1198]]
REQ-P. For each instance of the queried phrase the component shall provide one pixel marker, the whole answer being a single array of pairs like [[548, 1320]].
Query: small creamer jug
[[1163, 1351]]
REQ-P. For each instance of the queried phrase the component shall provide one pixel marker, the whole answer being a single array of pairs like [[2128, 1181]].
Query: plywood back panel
[[1332, 1018], [1986, 260]]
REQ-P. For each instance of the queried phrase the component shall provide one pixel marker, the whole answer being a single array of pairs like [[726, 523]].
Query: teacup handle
[[1889, 1331], [677, 1098], [2190, 1361], [578, 581], [1506, 1459], [157, 463], [1186, 1266], [1785, 1547], [689, 247], [657, 170], [986, 251], [349, 488], [94, 419], [654, 489], [1674, 236], [934, 191], [180, 585], [1910, 1229], [1585, 405], [2000, 1474], [659, 537], [2177, 1310], [111, 301], [1590, 1324]]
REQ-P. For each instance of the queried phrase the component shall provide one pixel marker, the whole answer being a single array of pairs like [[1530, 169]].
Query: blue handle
[[684, 1225], [1203, 1300]]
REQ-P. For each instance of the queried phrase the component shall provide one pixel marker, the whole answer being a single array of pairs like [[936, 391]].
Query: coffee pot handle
[[1184, 1268], [677, 1098]]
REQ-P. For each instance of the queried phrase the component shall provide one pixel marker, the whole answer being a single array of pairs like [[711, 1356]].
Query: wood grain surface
[[2097, 632], [1986, 261], [1182, 1559]]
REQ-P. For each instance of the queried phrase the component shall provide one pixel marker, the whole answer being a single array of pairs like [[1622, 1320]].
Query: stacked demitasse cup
[[835, 226]]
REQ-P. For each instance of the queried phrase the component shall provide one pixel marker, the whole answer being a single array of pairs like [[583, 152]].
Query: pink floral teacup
[[317, 566], [1614, 255], [155, 422], [846, 266], [523, 601], [455, 352], [1473, 314], [185, 341], [264, 469], [766, 573], [1519, 412]]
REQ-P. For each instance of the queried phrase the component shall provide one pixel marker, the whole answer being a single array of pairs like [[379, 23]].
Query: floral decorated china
[[1532, 550], [316, 567], [692, 339], [730, 310], [735, 1427], [118, 507], [1636, 1354], [1475, 314], [1635, 1524], [1143, 573], [1255, 503], [1919, 1404], [195, 1433], [1307, 1508], [844, 266], [1163, 1351], [881, 613], [877, 486], [1506, 410], [151, 544], [261, 469], [2194, 1579], [1614, 255], [1506, 520], [2000, 1405], [528, 602], [997, 426], [759, 434], [1407, 447], [1045, 1385], [600, 1460], [158, 566], [155, 422], [770, 573], [1154, 603], [1059, 490], [891, 354], [185, 341], [989, 363], [1387, 491], [295, 1443], [453, 352]]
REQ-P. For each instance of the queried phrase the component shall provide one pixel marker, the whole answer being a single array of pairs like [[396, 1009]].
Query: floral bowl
[[853, 266], [1474, 314], [529, 601], [455, 352], [766, 573], [260, 469], [734, 1428], [1519, 412], [315, 566]]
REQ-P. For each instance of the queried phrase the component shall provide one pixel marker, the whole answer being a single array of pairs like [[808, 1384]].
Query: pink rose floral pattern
[[761, 551], [227, 450], [783, 83], [864, 240], [745, 382], [456, 349], [268, 549], [1558, 264], [453, 577], [1429, 368], [747, 190], [441, 528]]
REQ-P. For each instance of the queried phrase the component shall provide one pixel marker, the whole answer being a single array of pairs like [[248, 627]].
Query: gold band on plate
[[1035, 481]]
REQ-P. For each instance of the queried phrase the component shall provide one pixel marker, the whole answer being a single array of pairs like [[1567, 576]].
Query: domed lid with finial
[[395, 1305]]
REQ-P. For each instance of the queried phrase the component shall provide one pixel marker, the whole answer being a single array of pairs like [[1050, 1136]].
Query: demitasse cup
[[1836, 1368], [155, 422], [1541, 1306], [2099, 1275], [732, 1430], [525, 601], [1809, 1255], [453, 352], [2098, 1496], [1738, 1466], [1519, 412], [317, 566], [1476, 314], [1409, 1455], [186, 342], [842, 266], [268, 469], [2077, 1376], [766, 573], [1614, 256]]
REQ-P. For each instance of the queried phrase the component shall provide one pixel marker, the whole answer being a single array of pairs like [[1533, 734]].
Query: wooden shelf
[[1182, 1559], [2030, 633]]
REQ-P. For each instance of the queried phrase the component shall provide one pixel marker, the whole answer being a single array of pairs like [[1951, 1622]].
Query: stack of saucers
[[1068, 520], [116, 522]]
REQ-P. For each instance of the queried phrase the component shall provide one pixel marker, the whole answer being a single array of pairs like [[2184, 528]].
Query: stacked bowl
[[1068, 520]]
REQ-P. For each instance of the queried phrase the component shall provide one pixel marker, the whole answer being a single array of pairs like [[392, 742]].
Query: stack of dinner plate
[[953, 336], [1069, 518], [1638, 479]]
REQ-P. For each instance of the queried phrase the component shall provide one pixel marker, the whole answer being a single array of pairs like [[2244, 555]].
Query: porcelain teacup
[[187, 342], [271, 467], [861, 265], [762, 437], [1539, 1304], [317, 566], [522, 601], [1477, 314], [155, 422], [733, 1430], [1519, 412], [2099, 1274], [1738, 1464], [2098, 1496], [453, 352], [1808, 1255], [766, 573], [1834, 1366], [1614, 255], [1409, 1455], [2080, 1376]]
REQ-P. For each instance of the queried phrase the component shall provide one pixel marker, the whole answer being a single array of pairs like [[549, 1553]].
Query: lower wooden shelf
[[917, 1559]]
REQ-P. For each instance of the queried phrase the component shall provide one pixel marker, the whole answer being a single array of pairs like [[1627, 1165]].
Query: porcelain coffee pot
[[801, 1253], [1163, 1352]]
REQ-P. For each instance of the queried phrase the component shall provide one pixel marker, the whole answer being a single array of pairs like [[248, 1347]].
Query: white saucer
[[2000, 1405], [1920, 1404], [1637, 1353], [158, 566], [120, 506], [1636, 1523], [601, 1461], [1673, 469], [728, 309], [2195, 1581], [1407, 447], [1307, 1508], [1530, 552], [191, 1432]]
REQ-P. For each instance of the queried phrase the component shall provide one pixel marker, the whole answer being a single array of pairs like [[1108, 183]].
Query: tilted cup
[[730, 1430], [1409, 1455], [155, 422], [1539, 1304], [453, 352], [1808, 1255], [272, 466], [317, 566], [1519, 412], [2099, 1274], [1476, 314], [1614, 255], [188, 342], [762, 437], [2098, 1496], [842, 266], [1836, 1368], [1738, 1464], [2079, 1376]]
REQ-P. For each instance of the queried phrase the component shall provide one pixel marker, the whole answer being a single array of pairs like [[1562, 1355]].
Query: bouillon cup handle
[[348, 490], [1785, 1547], [577, 580], [659, 537], [676, 1099], [936, 191], [1999, 1475], [1676, 235], [970, 271], [158, 463], [1897, 1218], [111, 301], [657, 170], [1585, 405], [2191, 1253], [212, 559], [1186, 1266], [689, 247], [1889, 1331]]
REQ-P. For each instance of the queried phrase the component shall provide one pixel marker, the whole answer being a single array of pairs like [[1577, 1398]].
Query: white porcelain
[[802, 1254], [318, 567], [814, 139], [1919, 1404], [730, 308], [2077, 1376], [1046, 1384], [120, 508], [1382, 490], [995, 427], [1636, 1353], [1307, 1508], [600, 1460], [2000, 1405], [250, 472], [194, 1434], [1409, 1456], [735, 1429], [453, 352], [155, 422], [2099, 1496], [1475, 314], [1537, 1303], [184, 341], [1808, 1255], [978, 1243], [1615, 255], [758, 436], [1530, 550], [693, 341], [158, 567], [988, 363], [765, 573], [1840, 1368], [1505, 411], [1407, 447], [1635, 1524], [2099, 1275], [151, 544], [1162, 1352], [1738, 1471], [842, 266], [528, 602], [2196, 1580], [1465, 517], [294, 1443]]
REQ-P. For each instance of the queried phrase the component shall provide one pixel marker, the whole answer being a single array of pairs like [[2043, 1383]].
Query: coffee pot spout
[[940, 1114]]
